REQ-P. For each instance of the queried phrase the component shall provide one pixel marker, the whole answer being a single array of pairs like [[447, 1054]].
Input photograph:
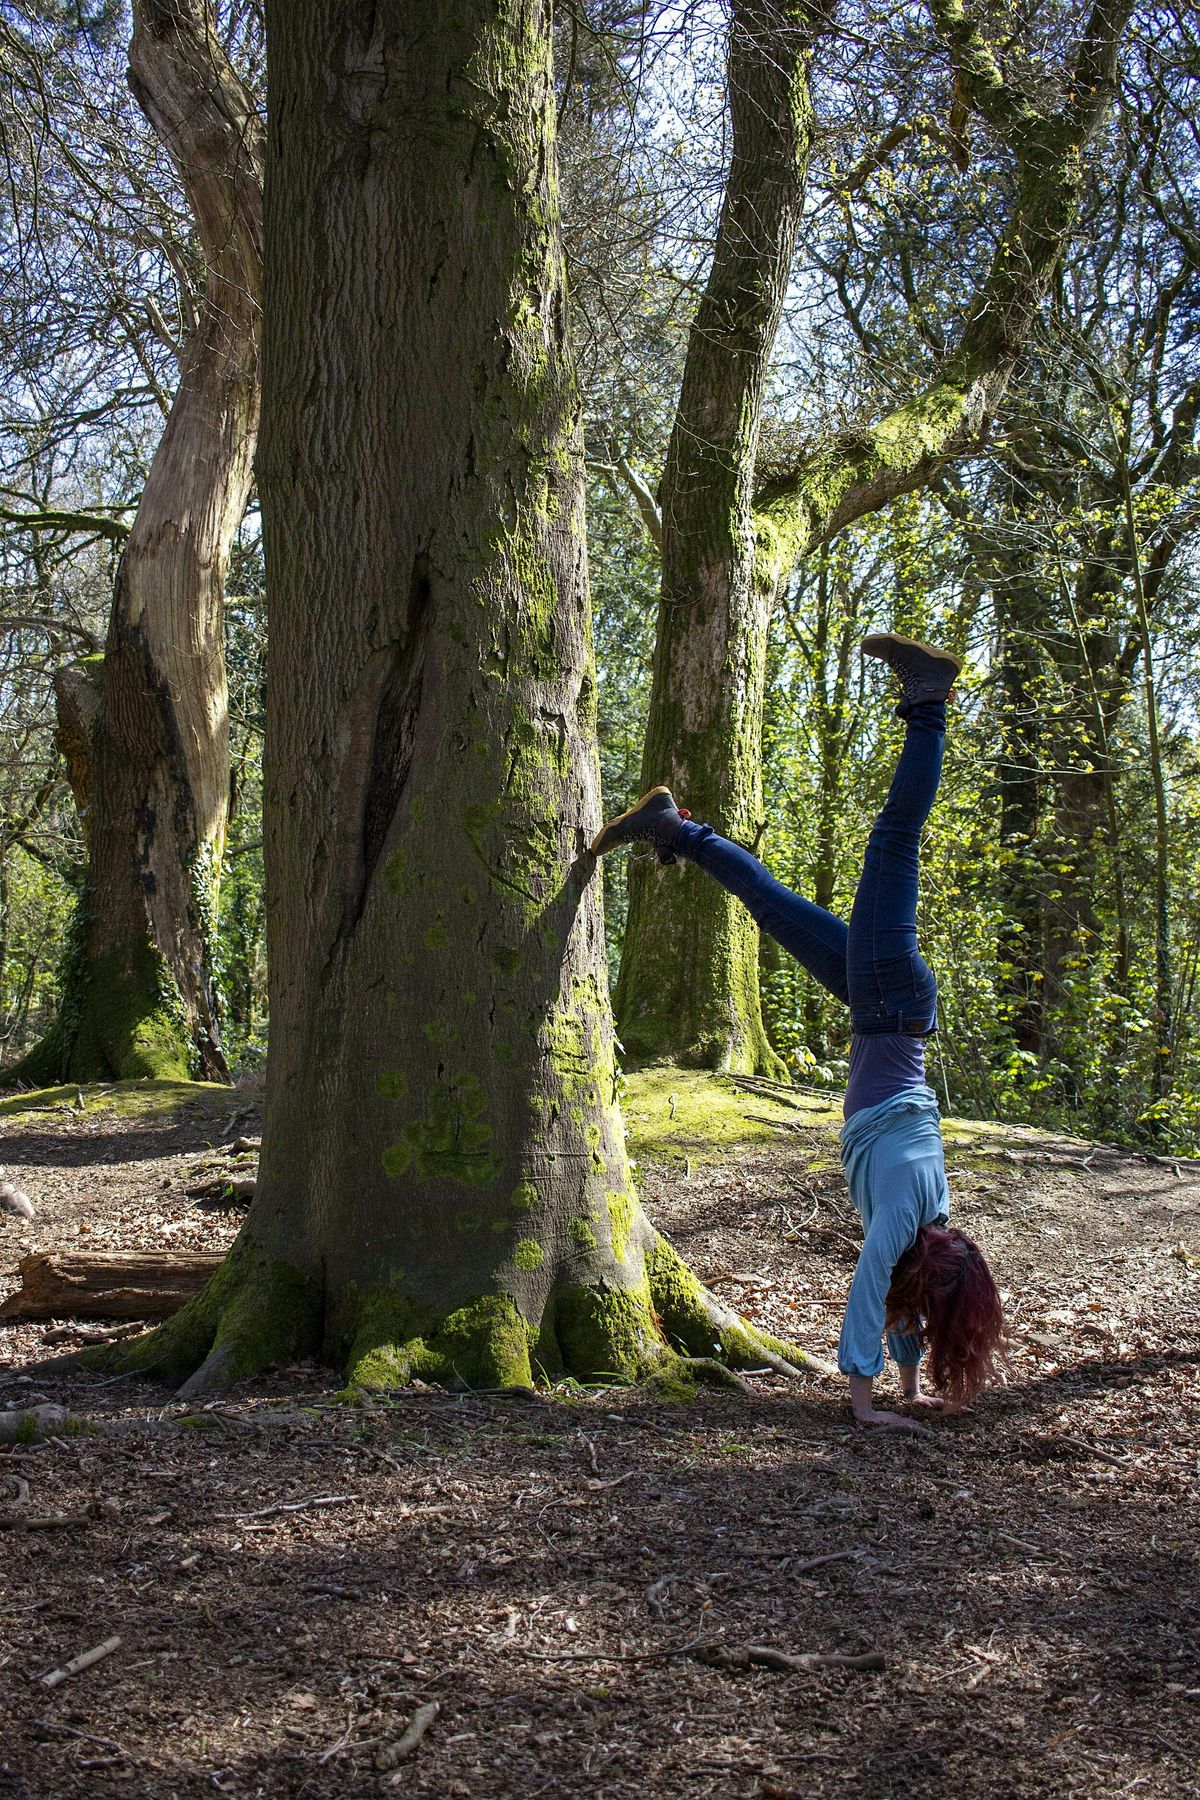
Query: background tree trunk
[[443, 1185], [688, 984], [138, 997], [688, 987], [1020, 605]]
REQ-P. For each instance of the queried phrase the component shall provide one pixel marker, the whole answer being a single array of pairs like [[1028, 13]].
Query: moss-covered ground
[[120, 1099], [677, 1116]]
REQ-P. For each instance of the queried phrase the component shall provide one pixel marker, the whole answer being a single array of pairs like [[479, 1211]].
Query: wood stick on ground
[[291, 1506], [83, 1661], [73, 1731], [765, 1657], [777, 1124], [100, 1334], [611, 1656], [1104, 1456], [58, 1284], [45, 1522], [830, 1556], [413, 1732], [1016, 1543]]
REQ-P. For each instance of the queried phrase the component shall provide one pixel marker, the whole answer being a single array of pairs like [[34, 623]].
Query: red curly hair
[[942, 1291]]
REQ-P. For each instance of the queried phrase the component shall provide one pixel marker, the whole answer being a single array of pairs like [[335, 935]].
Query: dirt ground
[[574, 1581]]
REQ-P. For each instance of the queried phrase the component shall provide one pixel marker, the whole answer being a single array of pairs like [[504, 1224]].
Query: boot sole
[[893, 637], [611, 824]]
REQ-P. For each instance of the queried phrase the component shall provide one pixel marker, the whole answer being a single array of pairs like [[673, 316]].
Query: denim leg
[[816, 938], [885, 970], [906, 1351]]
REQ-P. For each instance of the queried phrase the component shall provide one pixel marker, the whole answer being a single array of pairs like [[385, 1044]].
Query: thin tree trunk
[[1163, 1022], [138, 994], [1020, 947], [443, 1185], [688, 984]]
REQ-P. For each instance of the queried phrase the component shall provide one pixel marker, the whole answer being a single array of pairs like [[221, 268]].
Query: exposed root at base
[[665, 1328], [251, 1314], [703, 1326]]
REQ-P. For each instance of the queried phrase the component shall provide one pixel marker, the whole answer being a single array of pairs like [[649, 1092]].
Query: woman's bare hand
[[891, 1421], [933, 1400]]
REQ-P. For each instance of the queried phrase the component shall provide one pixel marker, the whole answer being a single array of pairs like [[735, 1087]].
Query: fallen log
[[72, 1284]]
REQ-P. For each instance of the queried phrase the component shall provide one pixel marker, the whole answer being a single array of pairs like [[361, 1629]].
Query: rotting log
[[70, 1284]]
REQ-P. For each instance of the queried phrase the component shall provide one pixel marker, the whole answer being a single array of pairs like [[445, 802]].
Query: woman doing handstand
[[923, 1283]]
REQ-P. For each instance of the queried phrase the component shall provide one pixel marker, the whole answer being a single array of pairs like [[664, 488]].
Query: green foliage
[[1043, 943]]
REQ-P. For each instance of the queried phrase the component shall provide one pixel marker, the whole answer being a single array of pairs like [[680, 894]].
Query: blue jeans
[[873, 964]]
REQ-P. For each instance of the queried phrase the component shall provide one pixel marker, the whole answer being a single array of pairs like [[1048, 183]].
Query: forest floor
[[574, 1581]]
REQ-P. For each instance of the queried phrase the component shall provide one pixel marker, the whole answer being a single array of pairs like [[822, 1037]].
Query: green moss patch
[[123, 1099], [686, 1115]]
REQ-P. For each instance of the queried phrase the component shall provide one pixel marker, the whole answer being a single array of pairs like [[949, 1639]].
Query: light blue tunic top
[[895, 1166]]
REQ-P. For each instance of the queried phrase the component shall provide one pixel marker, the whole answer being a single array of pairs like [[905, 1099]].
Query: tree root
[[252, 1313], [665, 1327], [704, 1326], [34, 1424]]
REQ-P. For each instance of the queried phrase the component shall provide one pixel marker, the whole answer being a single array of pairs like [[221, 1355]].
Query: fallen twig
[[778, 1124], [1020, 1544], [44, 1522], [65, 1334], [88, 1737], [763, 1656], [626, 1656], [830, 1556], [83, 1661], [291, 1506], [415, 1730], [1104, 1456]]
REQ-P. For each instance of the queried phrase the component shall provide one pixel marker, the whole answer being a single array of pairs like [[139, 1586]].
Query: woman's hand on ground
[[866, 1413], [933, 1400], [893, 1421]]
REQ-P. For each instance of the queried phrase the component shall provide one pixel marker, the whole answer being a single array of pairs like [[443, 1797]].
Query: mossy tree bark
[[443, 1186], [688, 983], [674, 972], [146, 727]]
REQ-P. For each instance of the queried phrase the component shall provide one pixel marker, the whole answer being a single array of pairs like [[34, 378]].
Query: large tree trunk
[[138, 996], [443, 1185], [688, 984]]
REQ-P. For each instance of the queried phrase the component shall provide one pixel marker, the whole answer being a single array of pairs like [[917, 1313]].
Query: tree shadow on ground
[[1030, 1620], [40, 1141]]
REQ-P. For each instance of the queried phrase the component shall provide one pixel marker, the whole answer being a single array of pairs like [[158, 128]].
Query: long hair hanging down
[[942, 1290]]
